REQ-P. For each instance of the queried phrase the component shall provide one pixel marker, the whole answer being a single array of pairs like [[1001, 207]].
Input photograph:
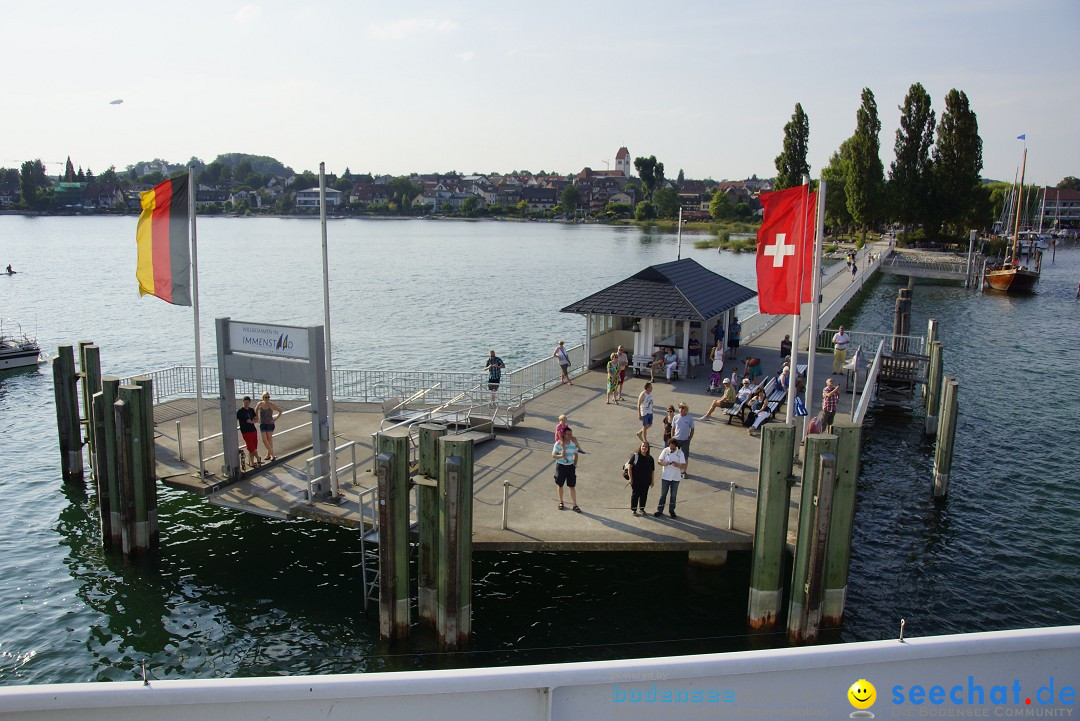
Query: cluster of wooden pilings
[[116, 421], [818, 579], [444, 491]]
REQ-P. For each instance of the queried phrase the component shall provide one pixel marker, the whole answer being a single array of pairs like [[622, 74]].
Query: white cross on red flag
[[785, 250]]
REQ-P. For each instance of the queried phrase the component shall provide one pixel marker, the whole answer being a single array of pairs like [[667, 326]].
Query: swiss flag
[[785, 250]]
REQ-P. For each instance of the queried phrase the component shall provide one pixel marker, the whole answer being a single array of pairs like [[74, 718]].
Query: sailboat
[[1012, 276]]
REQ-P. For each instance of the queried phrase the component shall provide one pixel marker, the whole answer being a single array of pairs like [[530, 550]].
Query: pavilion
[[658, 306]]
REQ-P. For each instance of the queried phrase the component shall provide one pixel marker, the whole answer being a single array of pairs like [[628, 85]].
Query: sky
[[391, 87]]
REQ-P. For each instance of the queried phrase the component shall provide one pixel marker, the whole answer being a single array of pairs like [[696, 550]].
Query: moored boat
[[1012, 276], [17, 350]]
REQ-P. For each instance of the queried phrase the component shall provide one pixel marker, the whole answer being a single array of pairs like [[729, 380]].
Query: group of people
[[267, 414]]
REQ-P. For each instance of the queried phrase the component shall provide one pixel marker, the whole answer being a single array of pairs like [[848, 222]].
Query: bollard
[[733, 489], [506, 499], [66, 393], [427, 514], [946, 437], [179, 444], [770, 530], [392, 470]]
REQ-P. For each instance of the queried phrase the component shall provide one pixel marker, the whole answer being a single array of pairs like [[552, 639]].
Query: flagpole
[[195, 307], [678, 255], [815, 303], [789, 414], [326, 335]]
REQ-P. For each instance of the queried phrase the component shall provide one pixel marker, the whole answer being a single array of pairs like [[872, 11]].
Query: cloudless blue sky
[[455, 85]]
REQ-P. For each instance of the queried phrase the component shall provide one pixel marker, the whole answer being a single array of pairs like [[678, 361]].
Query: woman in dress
[[268, 413], [612, 379]]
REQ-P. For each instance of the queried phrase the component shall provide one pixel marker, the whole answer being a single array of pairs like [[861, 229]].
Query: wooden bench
[[641, 365], [601, 358]]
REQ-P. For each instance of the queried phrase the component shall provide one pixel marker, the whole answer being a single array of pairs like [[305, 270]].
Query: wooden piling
[[102, 469], [90, 363], [804, 610], [146, 383], [125, 476], [770, 530], [849, 443], [946, 437], [455, 543], [110, 387], [902, 320], [65, 390], [427, 513], [933, 386], [141, 464], [392, 471]]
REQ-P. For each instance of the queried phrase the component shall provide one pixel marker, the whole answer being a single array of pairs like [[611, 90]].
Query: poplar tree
[[910, 175], [791, 164], [957, 162], [835, 175], [865, 181]]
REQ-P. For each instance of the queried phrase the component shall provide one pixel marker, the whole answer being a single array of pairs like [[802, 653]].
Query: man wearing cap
[[840, 343], [682, 430], [726, 399]]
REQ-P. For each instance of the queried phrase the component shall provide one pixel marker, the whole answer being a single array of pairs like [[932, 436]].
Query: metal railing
[[910, 344], [201, 441], [310, 462], [860, 411], [372, 386]]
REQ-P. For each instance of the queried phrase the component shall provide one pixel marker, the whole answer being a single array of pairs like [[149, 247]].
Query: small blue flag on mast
[[1022, 137]]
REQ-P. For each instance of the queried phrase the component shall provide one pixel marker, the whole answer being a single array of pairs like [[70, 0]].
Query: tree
[[720, 207], [680, 179], [644, 211], [865, 181], [470, 206], [402, 186], [791, 164], [910, 175], [835, 176], [32, 184], [1069, 182], [667, 202], [651, 173], [69, 171], [957, 162], [570, 200]]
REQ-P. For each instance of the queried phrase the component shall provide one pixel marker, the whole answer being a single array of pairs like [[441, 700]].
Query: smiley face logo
[[862, 694]]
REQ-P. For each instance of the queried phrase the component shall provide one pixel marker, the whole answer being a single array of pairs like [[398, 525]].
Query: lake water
[[236, 595]]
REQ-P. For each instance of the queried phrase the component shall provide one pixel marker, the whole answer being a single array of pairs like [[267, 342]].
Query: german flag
[[164, 263]]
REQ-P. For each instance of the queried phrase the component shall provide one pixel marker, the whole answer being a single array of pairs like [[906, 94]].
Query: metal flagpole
[[678, 255], [789, 414], [326, 335], [815, 305], [195, 306]]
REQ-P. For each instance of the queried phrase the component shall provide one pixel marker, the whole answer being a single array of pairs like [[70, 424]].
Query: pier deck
[[721, 454]]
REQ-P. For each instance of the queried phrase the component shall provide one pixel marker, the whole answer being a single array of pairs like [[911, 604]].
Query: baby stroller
[[715, 379]]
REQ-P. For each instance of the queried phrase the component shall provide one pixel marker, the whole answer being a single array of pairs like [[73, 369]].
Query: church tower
[[623, 163]]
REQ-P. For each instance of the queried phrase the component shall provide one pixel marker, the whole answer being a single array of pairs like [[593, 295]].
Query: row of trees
[[933, 183]]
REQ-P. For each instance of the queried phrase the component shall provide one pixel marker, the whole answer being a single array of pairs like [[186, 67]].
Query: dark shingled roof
[[680, 290]]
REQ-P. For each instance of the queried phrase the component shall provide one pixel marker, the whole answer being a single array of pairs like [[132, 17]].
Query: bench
[[641, 365], [739, 407], [600, 358]]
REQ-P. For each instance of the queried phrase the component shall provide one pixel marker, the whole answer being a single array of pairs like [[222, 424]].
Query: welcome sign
[[280, 341]]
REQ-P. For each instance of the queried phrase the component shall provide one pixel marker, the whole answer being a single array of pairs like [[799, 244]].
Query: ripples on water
[[235, 595]]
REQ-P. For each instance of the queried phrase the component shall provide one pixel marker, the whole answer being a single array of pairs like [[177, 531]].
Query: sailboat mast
[[1042, 211], [1019, 205]]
